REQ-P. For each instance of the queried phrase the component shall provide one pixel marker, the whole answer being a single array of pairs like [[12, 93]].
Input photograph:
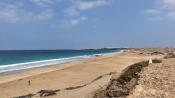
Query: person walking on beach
[[29, 82]]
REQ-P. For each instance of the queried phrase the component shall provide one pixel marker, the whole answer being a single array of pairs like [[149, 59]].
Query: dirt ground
[[156, 80]]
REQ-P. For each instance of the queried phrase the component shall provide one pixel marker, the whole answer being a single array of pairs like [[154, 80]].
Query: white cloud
[[14, 13], [42, 3], [163, 9], [16, 10], [80, 5], [45, 3], [74, 21], [168, 3], [8, 12], [72, 11], [153, 14], [83, 18], [85, 4], [151, 11], [171, 15], [69, 23], [78, 20], [46, 14]]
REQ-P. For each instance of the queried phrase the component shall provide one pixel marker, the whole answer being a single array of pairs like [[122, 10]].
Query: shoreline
[[52, 62], [68, 75], [23, 73]]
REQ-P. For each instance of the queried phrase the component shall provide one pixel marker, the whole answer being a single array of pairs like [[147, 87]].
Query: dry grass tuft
[[170, 55]]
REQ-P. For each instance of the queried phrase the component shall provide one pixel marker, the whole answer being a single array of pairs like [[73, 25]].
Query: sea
[[12, 60]]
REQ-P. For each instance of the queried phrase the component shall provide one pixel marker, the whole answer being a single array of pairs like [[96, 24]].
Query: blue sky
[[75, 24]]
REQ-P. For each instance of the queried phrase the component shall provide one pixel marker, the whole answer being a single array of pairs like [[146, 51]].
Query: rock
[[44, 93], [157, 61], [170, 55], [157, 53], [118, 93], [25, 96]]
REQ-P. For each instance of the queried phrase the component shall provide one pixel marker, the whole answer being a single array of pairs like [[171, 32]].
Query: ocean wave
[[35, 64]]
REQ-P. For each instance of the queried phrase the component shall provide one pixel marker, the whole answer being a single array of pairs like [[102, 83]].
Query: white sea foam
[[27, 65]]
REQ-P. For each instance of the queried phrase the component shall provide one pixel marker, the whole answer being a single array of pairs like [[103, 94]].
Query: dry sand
[[156, 81], [144, 79], [66, 75]]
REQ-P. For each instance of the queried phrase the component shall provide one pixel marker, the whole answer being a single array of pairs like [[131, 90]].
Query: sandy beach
[[87, 48], [62, 77]]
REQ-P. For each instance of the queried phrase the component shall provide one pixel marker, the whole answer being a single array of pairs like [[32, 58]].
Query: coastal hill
[[144, 80]]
